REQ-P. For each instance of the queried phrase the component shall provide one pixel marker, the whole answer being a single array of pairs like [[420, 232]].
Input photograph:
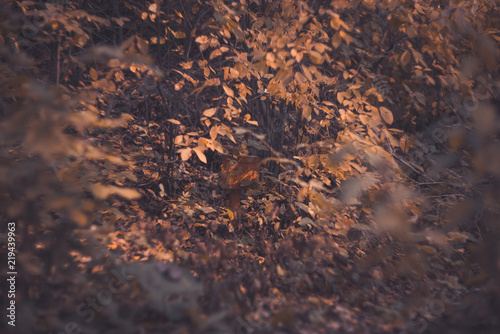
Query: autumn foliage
[[253, 166]]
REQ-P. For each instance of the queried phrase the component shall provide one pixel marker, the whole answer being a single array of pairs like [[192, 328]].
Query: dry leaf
[[174, 121], [210, 112], [386, 115], [316, 57], [200, 154], [185, 153], [228, 90], [93, 74]]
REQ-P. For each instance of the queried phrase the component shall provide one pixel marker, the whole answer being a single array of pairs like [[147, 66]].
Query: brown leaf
[[405, 58], [114, 62], [420, 98], [93, 74], [178, 34], [103, 191], [127, 193], [386, 115]]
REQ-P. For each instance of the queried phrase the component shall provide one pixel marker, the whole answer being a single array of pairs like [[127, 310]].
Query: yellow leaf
[[210, 112], [174, 121], [386, 115]]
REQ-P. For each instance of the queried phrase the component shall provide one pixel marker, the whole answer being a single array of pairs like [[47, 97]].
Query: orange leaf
[[93, 74], [306, 113], [174, 121], [210, 112], [187, 65], [178, 34], [214, 132], [335, 22], [386, 115], [336, 40], [185, 153], [316, 57], [228, 90], [200, 154], [215, 53], [153, 8], [114, 62]]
